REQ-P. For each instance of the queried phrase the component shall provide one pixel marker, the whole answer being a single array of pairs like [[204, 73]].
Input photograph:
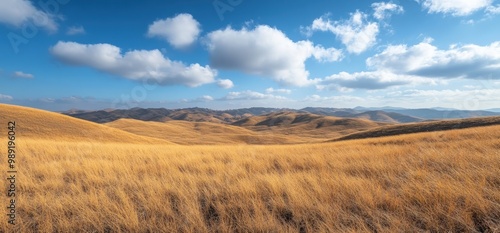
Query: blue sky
[[226, 54]]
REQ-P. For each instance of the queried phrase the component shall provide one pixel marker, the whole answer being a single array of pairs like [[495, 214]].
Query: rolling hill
[[389, 117], [273, 128], [229, 116], [431, 126], [79, 176], [202, 133], [39, 124], [306, 124]]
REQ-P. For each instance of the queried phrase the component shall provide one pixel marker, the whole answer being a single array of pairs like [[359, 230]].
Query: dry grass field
[[202, 133], [445, 181]]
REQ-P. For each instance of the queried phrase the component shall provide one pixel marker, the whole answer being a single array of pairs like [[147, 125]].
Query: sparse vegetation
[[446, 181]]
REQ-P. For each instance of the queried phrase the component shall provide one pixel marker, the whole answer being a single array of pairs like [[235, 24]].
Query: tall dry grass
[[438, 182]]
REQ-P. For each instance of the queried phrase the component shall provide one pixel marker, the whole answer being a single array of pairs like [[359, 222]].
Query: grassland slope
[[423, 127], [306, 125], [40, 124], [202, 133]]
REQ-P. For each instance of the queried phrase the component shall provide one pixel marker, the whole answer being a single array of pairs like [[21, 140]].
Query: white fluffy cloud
[[18, 12], [180, 31], [459, 99], [267, 52], [5, 97], [250, 95], [281, 90], [20, 74], [225, 83], [75, 31], [370, 80], [135, 64], [493, 9], [455, 7], [425, 60], [357, 34], [327, 54], [334, 99], [384, 10]]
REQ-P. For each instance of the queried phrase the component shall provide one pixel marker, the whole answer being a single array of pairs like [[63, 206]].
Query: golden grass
[[39, 124], [306, 128], [429, 126], [202, 133], [438, 182], [309, 127]]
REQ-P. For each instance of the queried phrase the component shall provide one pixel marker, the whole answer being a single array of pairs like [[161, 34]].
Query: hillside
[[229, 116], [39, 124], [414, 183], [201, 133], [389, 117], [306, 124], [162, 114], [423, 127]]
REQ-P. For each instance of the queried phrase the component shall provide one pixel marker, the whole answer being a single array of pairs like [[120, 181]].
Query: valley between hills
[[255, 170]]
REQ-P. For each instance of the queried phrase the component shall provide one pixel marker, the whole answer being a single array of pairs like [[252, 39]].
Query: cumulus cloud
[[225, 83], [75, 31], [455, 7], [282, 91], [493, 10], [250, 95], [334, 99], [20, 74], [136, 64], [425, 60], [266, 51], [207, 98], [327, 54], [370, 80], [19, 12], [5, 97], [383, 10], [459, 99], [357, 33], [180, 31]]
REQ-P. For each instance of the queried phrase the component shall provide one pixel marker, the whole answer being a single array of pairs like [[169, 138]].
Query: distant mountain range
[[384, 114]]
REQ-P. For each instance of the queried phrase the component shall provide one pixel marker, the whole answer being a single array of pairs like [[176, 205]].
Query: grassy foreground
[[438, 182]]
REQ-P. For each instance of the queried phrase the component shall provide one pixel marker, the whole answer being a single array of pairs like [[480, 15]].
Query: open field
[[445, 181], [277, 128], [204, 133]]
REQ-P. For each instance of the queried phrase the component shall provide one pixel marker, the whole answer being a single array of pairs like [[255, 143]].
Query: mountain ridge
[[385, 114]]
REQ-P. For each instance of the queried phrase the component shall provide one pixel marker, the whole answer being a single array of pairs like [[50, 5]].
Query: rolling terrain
[[442, 181], [422, 127], [385, 114], [201, 133], [306, 125], [273, 128], [39, 124]]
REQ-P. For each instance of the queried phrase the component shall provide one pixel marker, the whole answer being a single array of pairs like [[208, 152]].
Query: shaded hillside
[[202, 133], [442, 114], [162, 114], [390, 117], [227, 116], [40, 124], [151, 114], [423, 127], [306, 124]]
